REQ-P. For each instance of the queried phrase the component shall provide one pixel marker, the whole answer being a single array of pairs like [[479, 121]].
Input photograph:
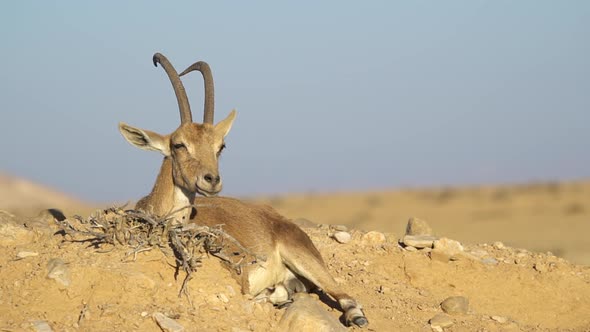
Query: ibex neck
[[166, 197]]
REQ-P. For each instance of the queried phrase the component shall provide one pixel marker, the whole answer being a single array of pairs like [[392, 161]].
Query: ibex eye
[[179, 146]]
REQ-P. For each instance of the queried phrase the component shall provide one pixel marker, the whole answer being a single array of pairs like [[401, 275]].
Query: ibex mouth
[[207, 193]]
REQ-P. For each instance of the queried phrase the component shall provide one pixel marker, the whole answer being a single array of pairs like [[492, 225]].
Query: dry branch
[[143, 231]]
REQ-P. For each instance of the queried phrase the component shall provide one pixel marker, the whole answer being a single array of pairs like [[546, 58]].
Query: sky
[[331, 96]]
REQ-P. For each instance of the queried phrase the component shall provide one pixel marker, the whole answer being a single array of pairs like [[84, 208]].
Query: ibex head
[[192, 148]]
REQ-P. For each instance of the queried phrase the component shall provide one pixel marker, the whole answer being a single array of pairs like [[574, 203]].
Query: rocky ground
[[416, 280]]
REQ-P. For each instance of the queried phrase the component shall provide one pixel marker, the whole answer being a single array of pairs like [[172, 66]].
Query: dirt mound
[[74, 287], [25, 197]]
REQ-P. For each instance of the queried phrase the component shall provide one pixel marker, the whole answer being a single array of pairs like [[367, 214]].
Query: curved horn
[[183, 105], [204, 68]]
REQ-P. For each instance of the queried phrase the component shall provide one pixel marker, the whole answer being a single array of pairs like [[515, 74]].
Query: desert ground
[[518, 254]]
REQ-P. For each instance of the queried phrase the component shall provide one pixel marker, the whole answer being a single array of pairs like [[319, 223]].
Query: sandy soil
[[540, 217], [508, 289]]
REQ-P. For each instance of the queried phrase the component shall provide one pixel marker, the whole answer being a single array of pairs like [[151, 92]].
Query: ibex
[[291, 261]]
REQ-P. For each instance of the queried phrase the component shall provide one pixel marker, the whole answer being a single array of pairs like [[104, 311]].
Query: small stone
[[41, 326], [25, 254], [489, 261], [339, 228], [410, 248], [384, 290], [479, 253], [305, 314], [499, 245], [305, 223], [417, 226], [167, 324], [58, 271], [11, 232], [455, 305], [230, 291], [499, 319], [223, 298], [541, 267], [451, 247], [212, 299], [373, 237], [342, 237], [144, 314], [509, 261], [418, 241], [441, 320]]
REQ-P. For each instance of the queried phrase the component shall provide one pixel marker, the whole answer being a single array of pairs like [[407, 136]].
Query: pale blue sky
[[331, 96]]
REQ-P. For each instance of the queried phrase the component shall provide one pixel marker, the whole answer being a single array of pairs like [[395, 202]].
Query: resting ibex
[[190, 166]]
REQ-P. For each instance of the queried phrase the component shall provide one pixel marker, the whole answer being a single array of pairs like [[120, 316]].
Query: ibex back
[[290, 261]]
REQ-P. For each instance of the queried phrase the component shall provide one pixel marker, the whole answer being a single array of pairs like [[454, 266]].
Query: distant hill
[[24, 197]]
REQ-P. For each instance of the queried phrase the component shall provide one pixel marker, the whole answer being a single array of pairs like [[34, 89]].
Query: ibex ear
[[145, 139], [222, 128]]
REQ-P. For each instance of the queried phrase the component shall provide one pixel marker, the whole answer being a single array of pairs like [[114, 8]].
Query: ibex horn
[[183, 105], [204, 68]]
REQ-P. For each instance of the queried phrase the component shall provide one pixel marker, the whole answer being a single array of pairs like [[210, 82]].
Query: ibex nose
[[212, 179]]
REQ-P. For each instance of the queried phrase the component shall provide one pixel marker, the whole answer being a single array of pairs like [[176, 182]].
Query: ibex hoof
[[355, 316], [360, 321]]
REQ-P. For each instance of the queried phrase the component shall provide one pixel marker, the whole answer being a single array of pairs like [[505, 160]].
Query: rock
[[455, 305], [489, 261], [373, 237], [41, 326], [499, 319], [223, 298], [305, 314], [12, 233], [410, 248], [451, 247], [167, 324], [541, 267], [25, 254], [446, 249], [499, 245], [419, 241], [339, 228], [417, 226], [305, 223], [479, 253], [441, 320], [230, 291], [58, 270], [342, 237]]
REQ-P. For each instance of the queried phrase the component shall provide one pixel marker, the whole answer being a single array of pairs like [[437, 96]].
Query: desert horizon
[[545, 216]]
